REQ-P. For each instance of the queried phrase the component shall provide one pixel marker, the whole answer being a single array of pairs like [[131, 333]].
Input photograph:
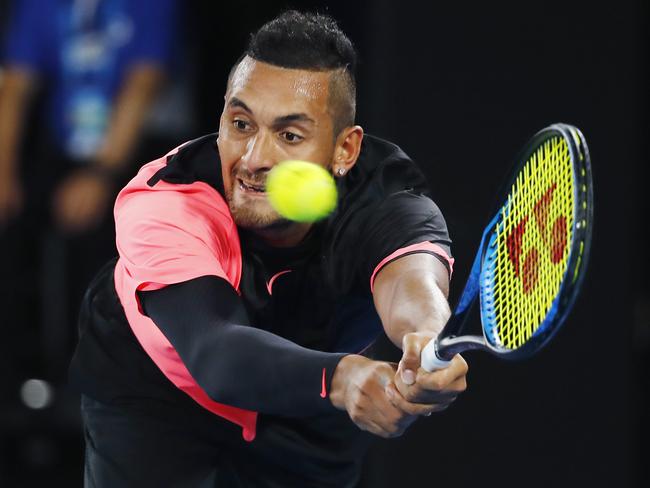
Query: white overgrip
[[429, 358]]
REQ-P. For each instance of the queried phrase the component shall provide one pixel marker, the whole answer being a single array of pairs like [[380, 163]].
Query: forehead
[[283, 89]]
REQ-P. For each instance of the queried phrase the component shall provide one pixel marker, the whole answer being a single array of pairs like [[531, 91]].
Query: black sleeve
[[236, 364], [404, 218]]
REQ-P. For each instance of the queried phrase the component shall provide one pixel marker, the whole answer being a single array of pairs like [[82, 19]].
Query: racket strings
[[530, 254]]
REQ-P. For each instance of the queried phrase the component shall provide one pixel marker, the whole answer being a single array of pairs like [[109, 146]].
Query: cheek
[[227, 180], [228, 158]]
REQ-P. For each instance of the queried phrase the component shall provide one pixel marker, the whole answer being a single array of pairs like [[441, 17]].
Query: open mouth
[[248, 187]]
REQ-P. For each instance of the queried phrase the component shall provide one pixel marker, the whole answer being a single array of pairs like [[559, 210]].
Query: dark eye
[[240, 124], [291, 137]]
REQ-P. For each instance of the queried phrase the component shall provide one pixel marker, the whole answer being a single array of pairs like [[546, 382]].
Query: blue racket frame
[[480, 279]]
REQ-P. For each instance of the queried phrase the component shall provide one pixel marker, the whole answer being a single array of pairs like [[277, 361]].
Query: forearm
[[410, 296], [235, 364], [133, 102]]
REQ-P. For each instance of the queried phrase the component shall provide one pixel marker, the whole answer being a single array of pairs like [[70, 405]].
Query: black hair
[[311, 41], [303, 41]]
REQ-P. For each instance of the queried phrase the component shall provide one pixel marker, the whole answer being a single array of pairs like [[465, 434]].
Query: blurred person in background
[[78, 83]]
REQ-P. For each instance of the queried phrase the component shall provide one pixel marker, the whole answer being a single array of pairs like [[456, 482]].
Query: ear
[[347, 149]]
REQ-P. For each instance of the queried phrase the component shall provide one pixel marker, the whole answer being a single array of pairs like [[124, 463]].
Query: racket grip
[[429, 359]]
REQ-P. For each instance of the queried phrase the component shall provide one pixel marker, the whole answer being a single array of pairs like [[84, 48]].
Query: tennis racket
[[532, 256]]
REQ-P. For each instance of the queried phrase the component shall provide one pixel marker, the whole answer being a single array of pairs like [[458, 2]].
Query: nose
[[259, 155]]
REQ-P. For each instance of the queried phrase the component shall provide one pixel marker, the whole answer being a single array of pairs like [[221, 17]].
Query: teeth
[[251, 187]]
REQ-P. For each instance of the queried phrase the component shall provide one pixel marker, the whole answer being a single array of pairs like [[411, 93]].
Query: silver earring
[[340, 171]]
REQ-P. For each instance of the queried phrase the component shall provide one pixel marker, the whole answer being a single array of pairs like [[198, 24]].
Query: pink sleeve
[[173, 233], [169, 234], [427, 247]]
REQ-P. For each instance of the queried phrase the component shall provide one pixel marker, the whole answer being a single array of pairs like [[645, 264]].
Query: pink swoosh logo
[[269, 285]]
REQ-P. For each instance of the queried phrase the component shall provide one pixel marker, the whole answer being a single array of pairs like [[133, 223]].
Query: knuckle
[[356, 414], [384, 368], [407, 339], [377, 371], [365, 383], [368, 381]]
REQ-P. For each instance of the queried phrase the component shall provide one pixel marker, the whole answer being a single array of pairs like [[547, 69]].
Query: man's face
[[271, 114]]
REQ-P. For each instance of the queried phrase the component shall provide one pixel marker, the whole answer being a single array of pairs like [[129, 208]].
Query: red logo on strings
[[528, 269]]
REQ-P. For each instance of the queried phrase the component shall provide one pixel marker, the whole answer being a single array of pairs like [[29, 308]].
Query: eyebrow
[[279, 121], [236, 102]]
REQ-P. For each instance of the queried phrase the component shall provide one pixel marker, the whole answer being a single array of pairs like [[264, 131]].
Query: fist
[[420, 386], [365, 389]]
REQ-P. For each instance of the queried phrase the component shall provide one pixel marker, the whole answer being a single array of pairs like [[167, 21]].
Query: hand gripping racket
[[533, 254]]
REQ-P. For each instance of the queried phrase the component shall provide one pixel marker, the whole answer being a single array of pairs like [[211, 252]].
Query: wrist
[[340, 380]]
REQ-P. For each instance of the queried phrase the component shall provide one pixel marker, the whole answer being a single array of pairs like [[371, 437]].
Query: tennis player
[[225, 345]]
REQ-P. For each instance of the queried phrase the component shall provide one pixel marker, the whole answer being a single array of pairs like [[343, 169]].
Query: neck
[[288, 236]]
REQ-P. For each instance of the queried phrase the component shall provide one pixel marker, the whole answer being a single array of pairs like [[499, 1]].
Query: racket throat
[[448, 347]]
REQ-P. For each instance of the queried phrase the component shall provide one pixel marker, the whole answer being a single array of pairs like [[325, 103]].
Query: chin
[[251, 216], [254, 213], [254, 221]]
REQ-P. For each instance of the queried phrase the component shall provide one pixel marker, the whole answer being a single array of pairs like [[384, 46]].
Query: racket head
[[535, 255]]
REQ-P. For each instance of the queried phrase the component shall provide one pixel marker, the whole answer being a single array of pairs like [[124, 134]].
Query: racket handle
[[429, 358]]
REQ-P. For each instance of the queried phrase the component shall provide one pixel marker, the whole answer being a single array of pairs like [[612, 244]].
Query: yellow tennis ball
[[301, 191]]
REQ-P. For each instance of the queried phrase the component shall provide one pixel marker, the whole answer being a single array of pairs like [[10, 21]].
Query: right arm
[[235, 364], [253, 369]]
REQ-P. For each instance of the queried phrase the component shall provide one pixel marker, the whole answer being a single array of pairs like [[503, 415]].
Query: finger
[[410, 362], [376, 428], [459, 366], [459, 385], [441, 379], [407, 407], [386, 413], [417, 394], [371, 427], [387, 416]]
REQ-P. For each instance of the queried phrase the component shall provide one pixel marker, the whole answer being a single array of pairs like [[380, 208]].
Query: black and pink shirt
[[173, 226]]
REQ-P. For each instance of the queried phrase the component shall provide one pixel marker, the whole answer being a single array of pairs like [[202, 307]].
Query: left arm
[[410, 296]]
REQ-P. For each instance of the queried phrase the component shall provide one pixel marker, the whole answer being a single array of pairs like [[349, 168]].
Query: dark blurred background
[[460, 88]]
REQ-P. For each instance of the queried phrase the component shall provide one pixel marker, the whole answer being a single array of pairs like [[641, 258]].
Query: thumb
[[410, 362]]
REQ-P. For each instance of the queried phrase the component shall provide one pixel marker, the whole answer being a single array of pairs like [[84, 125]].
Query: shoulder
[[385, 206], [184, 184], [382, 171], [173, 202], [383, 168]]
